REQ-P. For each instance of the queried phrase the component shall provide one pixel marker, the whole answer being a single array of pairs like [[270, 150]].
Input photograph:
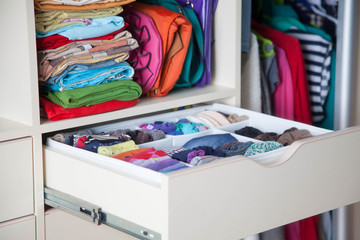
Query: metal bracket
[[72, 205], [94, 213]]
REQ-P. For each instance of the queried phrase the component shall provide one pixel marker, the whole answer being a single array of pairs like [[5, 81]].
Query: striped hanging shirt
[[317, 57]]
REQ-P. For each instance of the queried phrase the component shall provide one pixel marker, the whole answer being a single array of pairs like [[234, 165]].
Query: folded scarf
[[56, 41], [55, 5], [116, 149], [80, 47], [78, 78], [56, 112], [97, 28], [76, 2], [53, 62], [50, 71], [123, 90], [51, 20]]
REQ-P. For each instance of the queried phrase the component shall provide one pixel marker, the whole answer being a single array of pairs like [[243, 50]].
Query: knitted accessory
[[199, 160], [59, 137], [289, 137], [194, 153], [206, 122], [268, 136], [209, 119], [69, 137], [156, 134], [234, 148], [218, 117], [193, 119], [181, 156], [233, 118], [262, 147], [290, 130], [142, 137], [210, 151], [172, 150], [248, 131]]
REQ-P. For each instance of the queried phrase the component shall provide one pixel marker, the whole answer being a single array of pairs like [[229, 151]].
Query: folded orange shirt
[[123, 156], [175, 32]]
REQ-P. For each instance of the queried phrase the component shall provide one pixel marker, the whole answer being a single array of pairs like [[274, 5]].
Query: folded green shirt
[[122, 90]]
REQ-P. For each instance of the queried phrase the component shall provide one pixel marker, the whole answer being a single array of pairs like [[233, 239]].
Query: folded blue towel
[[98, 27], [83, 76]]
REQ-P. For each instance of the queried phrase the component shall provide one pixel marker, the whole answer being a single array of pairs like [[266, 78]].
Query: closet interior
[[256, 183]]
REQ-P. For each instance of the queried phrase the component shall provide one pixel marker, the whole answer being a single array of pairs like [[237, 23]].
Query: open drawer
[[229, 198]]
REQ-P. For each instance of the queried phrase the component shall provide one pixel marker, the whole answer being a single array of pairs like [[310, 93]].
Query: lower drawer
[[21, 228], [16, 179], [228, 199]]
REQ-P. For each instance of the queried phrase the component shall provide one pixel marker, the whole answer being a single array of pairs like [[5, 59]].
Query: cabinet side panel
[[18, 61], [226, 58], [16, 179]]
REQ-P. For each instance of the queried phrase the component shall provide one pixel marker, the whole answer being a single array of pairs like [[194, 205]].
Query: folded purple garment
[[156, 164]]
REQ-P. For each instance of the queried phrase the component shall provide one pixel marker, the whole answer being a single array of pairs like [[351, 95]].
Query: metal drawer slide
[[93, 213]]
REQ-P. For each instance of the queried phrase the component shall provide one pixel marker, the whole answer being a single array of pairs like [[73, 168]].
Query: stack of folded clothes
[[82, 48]]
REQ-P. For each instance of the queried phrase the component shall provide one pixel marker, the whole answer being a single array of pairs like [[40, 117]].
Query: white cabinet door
[[16, 179]]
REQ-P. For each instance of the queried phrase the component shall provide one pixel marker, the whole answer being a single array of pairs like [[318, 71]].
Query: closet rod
[[347, 32], [345, 89]]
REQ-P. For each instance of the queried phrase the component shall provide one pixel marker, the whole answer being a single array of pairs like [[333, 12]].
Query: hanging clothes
[[293, 51], [273, 234], [292, 231], [269, 73], [317, 56], [250, 77], [283, 95], [308, 228], [245, 25]]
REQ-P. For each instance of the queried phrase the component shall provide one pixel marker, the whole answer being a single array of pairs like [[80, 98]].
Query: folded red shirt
[[55, 41], [56, 112]]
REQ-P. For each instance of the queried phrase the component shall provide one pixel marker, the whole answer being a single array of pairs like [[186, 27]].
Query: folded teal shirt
[[98, 27], [82, 76]]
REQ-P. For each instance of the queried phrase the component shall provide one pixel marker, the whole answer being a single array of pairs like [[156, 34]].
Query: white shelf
[[178, 98], [11, 129]]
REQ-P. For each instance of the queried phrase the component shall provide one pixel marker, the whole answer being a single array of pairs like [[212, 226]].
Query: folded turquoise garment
[[123, 90], [84, 75], [98, 27]]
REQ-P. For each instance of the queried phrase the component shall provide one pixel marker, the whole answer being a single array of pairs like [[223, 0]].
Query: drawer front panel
[[16, 179], [116, 193], [22, 228], [236, 198]]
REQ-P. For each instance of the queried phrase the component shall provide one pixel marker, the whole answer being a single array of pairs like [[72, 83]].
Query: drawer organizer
[[228, 198]]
